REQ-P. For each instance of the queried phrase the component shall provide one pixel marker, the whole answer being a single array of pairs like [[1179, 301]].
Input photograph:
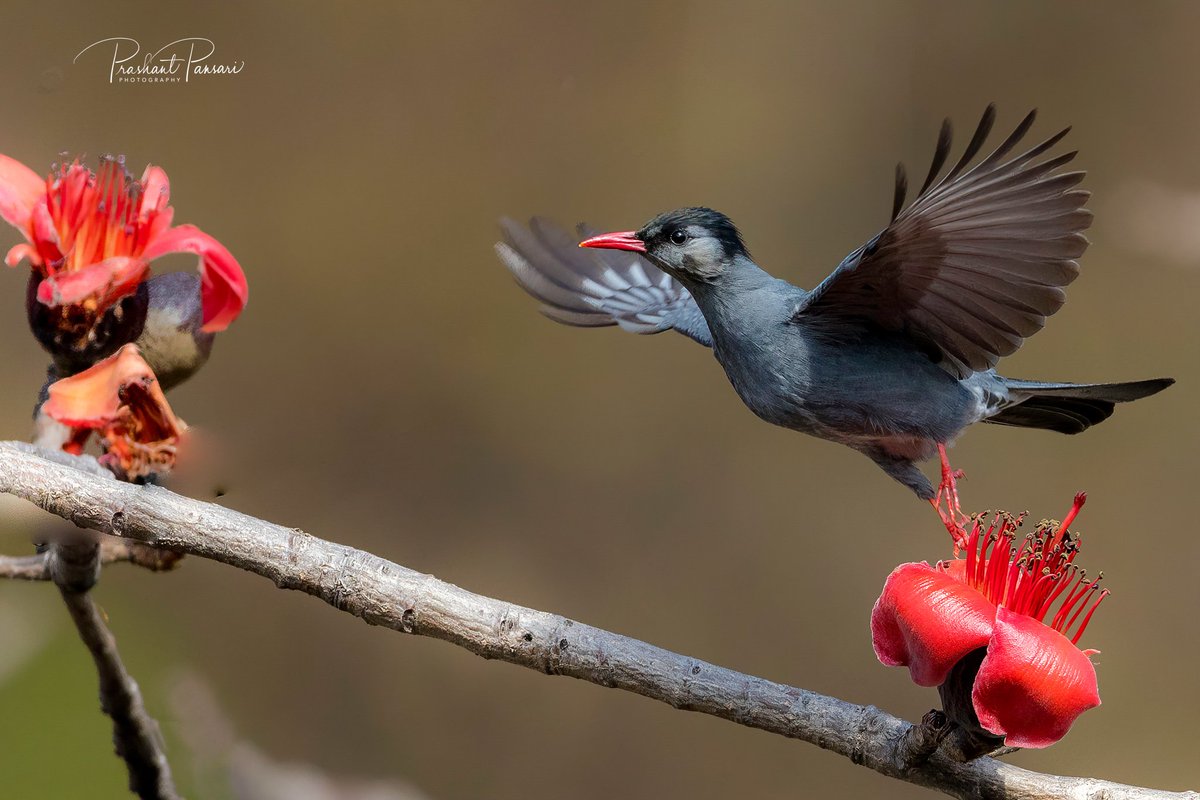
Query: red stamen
[[977, 576], [1035, 576], [1000, 560], [1080, 499], [1083, 625], [1036, 606], [1013, 581], [1092, 587], [1080, 588]]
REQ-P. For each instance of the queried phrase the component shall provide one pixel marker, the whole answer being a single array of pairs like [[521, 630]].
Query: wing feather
[[977, 262], [596, 288]]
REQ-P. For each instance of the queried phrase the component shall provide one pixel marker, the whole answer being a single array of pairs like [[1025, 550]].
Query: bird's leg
[[950, 478], [952, 517]]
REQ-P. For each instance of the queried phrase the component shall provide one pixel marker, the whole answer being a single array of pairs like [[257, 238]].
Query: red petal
[[926, 620], [156, 224], [45, 235], [223, 287], [1033, 683], [156, 190], [956, 568], [108, 281], [91, 399], [19, 251], [20, 189]]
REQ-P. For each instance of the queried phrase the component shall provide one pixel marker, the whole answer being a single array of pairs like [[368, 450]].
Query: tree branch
[[112, 551], [136, 736], [387, 594], [25, 568]]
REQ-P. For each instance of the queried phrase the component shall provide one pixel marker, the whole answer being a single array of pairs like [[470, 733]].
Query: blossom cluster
[[89, 239]]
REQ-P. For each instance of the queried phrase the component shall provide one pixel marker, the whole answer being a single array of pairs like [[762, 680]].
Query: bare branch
[[383, 593], [112, 551], [25, 568], [135, 733]]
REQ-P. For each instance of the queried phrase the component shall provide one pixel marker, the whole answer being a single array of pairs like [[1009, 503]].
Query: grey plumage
[[893, 353], [1068, 407]]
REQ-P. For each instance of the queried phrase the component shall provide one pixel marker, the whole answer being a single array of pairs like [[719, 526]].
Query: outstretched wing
[[593, 288], [978, 261]]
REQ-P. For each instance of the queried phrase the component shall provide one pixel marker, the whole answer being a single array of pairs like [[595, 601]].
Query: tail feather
[[1112, 392], [1069, 407]]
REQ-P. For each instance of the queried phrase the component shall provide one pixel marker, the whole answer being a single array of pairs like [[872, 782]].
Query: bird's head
[[694, 245]]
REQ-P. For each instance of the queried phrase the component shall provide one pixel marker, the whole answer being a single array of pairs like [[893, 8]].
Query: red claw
[[952, 516]]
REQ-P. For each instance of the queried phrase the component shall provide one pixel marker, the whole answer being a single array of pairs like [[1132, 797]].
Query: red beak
[[621, 240]]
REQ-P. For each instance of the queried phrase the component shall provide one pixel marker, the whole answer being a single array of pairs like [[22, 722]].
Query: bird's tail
[[1069, 407]]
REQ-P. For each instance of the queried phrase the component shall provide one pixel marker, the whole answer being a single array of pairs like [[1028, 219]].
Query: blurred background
[[390, 387]]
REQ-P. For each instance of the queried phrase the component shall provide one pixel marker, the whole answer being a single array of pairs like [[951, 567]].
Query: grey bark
[[112, 551]]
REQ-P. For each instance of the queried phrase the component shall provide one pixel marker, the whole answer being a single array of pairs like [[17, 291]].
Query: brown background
[[391, 388]]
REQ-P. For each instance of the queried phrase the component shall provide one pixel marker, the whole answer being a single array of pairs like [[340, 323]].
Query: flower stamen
[[1083, 625], [1030, 577]]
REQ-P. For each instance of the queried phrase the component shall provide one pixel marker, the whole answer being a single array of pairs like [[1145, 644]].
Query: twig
[[25, 568], [383, 593], [112, 551], [136, 736]]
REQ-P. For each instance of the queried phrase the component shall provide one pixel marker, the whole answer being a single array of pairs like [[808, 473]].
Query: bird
[[894, 353]]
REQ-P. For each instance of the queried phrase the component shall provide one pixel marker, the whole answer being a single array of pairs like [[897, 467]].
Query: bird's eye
[[678, 237]]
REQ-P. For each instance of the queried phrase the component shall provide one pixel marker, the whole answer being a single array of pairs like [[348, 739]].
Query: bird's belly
[[901, 404], [856, 394]]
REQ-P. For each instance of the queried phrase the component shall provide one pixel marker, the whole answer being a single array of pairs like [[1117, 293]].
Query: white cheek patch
[[709, 249], [704, 257]]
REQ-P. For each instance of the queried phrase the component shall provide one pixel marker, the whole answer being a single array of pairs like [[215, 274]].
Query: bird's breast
[[769, 373]]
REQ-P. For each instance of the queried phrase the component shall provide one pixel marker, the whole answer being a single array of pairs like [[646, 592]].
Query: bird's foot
[[952, 515]]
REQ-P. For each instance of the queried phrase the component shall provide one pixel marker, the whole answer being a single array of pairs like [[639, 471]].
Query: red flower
[[120, 399], [1019, 601], [90, 237]]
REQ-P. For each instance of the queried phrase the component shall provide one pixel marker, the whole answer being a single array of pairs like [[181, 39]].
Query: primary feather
[[978, 261], [594, 288]]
